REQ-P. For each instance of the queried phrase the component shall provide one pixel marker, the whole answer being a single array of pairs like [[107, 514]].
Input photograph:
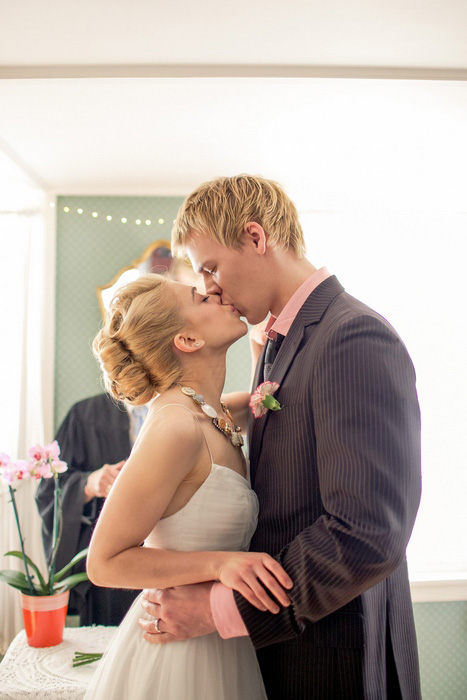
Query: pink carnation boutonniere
[[262, 399]]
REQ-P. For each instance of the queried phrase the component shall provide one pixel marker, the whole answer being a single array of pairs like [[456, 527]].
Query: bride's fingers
[[151, 633], [255, 591], [275, 568], [246, 591], [263, 595], [152, 609], [269, 582], [159, 638]]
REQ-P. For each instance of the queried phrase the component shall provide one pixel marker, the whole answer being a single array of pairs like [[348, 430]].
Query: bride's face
[[214, 323]]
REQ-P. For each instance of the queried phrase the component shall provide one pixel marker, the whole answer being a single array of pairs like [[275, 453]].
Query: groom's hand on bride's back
[[181, 613]]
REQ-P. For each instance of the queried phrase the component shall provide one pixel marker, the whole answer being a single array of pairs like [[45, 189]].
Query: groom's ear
[[255, 236], [186, 343]]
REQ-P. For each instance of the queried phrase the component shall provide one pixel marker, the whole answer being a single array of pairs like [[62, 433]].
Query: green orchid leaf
[[19, 555], [71, 564], [18, 580], [70, 582]]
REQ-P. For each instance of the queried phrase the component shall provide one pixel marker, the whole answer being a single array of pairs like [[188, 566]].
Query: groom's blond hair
[[221, 208]]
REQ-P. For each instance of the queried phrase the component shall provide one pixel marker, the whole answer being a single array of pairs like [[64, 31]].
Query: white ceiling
[[419, 33], [329, 141]]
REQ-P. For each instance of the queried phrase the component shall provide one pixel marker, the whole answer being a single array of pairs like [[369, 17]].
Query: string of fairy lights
[[108, 217]]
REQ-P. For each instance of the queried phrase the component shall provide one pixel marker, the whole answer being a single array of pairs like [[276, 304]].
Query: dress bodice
[[221, 515]]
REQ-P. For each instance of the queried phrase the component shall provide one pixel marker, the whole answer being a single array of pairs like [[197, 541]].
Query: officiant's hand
[[101, 480], [181, 613]]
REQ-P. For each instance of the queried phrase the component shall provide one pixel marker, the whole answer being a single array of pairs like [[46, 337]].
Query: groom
[[336, 469]]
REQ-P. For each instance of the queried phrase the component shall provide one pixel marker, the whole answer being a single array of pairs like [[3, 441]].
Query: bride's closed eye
[[204, 299]]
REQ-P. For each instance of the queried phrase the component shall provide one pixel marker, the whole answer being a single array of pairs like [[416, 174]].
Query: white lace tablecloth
[[48, 674]]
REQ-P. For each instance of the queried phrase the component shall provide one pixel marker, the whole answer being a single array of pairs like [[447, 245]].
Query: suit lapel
[[310, 313]]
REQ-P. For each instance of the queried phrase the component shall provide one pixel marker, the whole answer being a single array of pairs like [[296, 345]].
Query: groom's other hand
[[182, 613]]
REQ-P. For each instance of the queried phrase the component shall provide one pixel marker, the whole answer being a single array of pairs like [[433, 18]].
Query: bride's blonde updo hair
[[134, 348]]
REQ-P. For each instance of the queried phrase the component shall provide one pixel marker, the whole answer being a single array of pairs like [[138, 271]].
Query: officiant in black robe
[[95, 432]]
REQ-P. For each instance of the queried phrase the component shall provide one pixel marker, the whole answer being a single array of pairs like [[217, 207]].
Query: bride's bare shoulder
[[170, 421]]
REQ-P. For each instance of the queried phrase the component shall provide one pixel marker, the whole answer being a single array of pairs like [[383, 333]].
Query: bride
[[183, 493]]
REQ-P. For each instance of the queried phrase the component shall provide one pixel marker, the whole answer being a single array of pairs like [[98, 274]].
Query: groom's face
[[236, 275]]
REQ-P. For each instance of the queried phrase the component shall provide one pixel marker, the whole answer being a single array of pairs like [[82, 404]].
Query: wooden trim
[[437, 591], [231, 71]]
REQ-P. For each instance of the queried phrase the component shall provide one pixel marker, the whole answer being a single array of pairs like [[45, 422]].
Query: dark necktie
[[272, 348]]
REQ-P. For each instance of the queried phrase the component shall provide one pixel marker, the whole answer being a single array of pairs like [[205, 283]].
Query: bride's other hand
[[258, 335], [254, 575], [258, 340]]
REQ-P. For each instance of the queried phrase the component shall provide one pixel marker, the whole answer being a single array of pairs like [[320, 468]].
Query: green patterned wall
[[90, 250], [442, 646]]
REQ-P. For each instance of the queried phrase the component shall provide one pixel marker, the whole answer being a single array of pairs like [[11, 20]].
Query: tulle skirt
[[204, 668]]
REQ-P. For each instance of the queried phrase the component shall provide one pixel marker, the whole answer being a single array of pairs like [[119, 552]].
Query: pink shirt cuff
[[224, 610]]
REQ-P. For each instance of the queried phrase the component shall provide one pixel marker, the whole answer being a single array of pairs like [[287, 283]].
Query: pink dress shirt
[[224, 610]]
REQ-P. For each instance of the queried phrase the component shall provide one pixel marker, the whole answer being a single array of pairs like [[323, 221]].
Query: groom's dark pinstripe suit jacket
[[337, 473]]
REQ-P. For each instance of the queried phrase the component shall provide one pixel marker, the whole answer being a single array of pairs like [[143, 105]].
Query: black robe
[[94, 432]]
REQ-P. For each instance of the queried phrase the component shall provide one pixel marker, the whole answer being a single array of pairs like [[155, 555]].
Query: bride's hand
[[258, 335], [251, 573]]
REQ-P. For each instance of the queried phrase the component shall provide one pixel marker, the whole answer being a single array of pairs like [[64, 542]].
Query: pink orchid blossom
[[6, 468], [4, 459], [45, 463], [8, 473], [40, 470], [13, 471], [58, 467], [52, 451], [22, 469], [37, 453], [262, 399]]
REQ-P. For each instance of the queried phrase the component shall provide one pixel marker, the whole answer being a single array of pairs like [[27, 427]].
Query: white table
[[48, 674]]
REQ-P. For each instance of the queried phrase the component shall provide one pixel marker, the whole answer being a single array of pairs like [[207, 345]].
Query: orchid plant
[[44, 463]]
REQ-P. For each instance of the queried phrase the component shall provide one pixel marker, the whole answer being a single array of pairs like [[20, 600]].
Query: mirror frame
[[161, 243]]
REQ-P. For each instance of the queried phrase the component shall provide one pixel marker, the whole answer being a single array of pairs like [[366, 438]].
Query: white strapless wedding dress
[[221, 515]]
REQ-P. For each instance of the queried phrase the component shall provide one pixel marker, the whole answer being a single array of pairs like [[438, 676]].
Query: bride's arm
[[238, 401], [162, 459]]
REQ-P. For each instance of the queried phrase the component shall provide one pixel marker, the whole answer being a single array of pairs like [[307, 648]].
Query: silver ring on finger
[[156, 624]]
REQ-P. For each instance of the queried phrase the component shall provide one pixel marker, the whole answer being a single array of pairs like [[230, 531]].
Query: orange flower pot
[[44, 618]]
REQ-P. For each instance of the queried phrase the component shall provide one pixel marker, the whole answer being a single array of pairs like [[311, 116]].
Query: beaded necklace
[[232, 432]]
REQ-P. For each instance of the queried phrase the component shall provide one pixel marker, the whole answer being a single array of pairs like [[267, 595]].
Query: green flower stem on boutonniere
[[271, 403]]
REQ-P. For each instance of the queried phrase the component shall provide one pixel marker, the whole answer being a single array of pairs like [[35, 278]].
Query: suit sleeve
[[365, 426]]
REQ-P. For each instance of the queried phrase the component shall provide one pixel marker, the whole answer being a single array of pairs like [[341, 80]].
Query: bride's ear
[[185, 343]]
